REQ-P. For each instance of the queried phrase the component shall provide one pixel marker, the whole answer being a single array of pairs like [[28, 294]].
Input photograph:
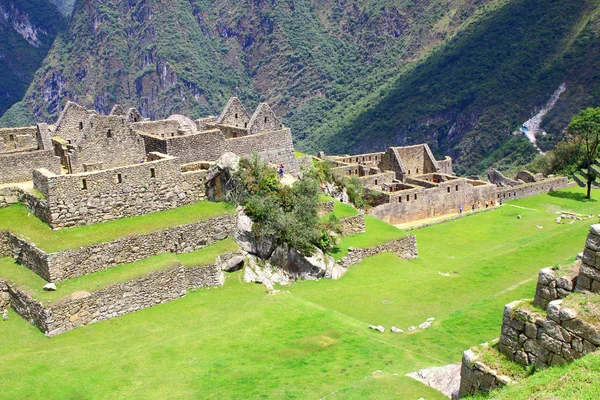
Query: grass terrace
[[311, 339], [33, 283], [18, 220]]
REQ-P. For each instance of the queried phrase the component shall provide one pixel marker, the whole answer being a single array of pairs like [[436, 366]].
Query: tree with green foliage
[[584, 130], [283, 214]]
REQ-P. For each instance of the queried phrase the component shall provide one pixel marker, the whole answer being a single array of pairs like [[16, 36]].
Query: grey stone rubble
[[378, 328], [396, 330]]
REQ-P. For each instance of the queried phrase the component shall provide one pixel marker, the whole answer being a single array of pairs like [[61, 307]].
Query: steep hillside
[[190, 55], [27, 30], [64, 6], [469, 96], [346, 76]]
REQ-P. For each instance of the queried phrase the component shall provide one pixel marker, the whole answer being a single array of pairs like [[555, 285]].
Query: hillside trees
[[584, 130]]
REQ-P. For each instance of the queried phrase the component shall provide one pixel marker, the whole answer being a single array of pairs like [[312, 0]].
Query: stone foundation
[[551, 286]]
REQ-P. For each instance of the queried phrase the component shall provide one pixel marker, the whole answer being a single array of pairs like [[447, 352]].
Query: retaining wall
[[531, 189], [62, 265], [83, 308], [476, 377], [558, 338], [405, 247], [353, 225]]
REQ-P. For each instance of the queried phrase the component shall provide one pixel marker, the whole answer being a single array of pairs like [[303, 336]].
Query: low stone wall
[[531, 189], [551, 286], [353, 225], [58, 266], [325, 208], [9, 196], [83, 308], [476, 377], [405, 247], [17, 167], [559, 338]]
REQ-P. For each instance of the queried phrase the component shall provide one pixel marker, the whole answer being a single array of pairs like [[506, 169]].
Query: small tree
[[584, 130]]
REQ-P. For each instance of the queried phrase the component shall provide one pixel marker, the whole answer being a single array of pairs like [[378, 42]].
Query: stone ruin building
[[89, 168], [408, 183]]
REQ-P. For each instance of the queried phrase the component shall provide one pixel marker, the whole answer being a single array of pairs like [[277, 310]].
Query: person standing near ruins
[[460, 209]]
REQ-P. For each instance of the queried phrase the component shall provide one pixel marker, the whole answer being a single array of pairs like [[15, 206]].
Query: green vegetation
[[283, 214], [584, 130], [18, 220], [19, 58], [587, 306], [492, 358], [311, 339], [33, 284], [377, 232], [343, 210], [578, 380]]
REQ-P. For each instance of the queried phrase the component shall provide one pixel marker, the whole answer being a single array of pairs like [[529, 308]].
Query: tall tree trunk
[[589, 182]]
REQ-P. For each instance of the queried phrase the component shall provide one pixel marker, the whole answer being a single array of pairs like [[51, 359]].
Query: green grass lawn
[[311, 340], [18, 220], [33, 284]]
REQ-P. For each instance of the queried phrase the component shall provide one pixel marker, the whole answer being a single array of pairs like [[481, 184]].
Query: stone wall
[[476, 377], [162, 128], [551, 286], [98, 196], [9, 196], [62, 265], [531, 189], [353, 225], [589, 272], [560, 337], [445, 166], [275, 146], [18, 167], [442, 198], [108, 140], [18, 138], [83, 308], [405, 247], [326, 207]]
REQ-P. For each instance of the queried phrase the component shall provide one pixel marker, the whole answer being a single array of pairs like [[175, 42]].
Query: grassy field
[[18, 220], [33, 283], [311, 339]]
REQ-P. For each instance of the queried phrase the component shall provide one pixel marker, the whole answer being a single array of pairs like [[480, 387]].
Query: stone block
[[584, 283], [583, 330], [593, 241], [589, 271]]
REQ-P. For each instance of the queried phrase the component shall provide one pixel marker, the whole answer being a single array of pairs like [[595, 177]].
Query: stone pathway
[[444, 379]]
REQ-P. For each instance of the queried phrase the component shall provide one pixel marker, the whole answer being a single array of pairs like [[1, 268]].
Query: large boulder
[[245, 239], [218, 176], [298, 266], [261, 271]]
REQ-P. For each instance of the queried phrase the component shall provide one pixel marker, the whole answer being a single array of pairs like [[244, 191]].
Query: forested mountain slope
[[27, 30], [346, 76]]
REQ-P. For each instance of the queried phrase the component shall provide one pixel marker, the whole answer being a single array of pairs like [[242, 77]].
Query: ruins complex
[[90, 168]]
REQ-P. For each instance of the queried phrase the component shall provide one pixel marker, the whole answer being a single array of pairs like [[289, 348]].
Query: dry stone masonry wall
[[353, 225], [62, 265], [477, 377], [405, 248], [93, 197], [83, 308]]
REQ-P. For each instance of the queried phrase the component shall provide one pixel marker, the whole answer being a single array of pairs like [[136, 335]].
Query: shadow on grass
[[572, 196]]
